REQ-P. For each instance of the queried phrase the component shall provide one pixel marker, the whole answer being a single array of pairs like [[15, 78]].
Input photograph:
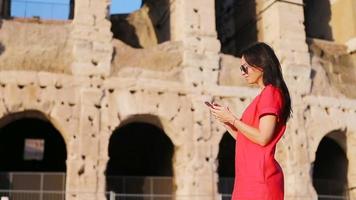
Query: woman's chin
[[248, 81]]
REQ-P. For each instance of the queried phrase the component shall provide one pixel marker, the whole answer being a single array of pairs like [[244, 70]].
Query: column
[[193, 23], [91, 37], [280, 24]]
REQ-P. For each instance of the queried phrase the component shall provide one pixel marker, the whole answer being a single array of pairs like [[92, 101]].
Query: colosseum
[[110, 106]]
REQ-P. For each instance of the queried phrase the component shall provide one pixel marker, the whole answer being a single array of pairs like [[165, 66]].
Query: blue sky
[[59, 9]]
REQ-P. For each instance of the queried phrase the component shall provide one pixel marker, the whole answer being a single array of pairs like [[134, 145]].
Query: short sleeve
[[270, 102]]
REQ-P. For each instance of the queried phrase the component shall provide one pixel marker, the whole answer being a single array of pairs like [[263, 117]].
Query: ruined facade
[[96, 74]]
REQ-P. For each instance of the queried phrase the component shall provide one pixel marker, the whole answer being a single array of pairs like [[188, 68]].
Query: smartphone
[[209, 104]]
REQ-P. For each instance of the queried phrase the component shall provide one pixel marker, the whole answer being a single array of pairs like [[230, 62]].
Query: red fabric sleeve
[[270, 102]]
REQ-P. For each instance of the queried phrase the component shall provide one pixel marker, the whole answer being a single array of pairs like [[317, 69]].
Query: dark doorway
[[236, 25], [138, 153], [226, 168], [317, 16], [31, 132], [32, 154], [330, 169]]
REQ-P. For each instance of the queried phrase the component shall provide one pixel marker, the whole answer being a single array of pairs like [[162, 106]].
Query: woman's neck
[[260, 84]]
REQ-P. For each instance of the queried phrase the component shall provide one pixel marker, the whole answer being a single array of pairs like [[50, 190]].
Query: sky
[[59, 9]]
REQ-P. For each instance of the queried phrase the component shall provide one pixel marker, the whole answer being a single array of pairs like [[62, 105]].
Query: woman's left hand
[[222, 113]]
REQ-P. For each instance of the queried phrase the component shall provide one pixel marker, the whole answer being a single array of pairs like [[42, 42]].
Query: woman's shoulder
[[271, 88], [271, 91]]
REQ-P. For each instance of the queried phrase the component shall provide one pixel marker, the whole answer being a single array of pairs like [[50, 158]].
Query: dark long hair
[[262, 55]]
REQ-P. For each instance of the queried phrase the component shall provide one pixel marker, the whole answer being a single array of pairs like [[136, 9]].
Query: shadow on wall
[[146, 27], [2, 47], [5, 7], [317, 15], [71, 9], [236, 25], [123, 30]]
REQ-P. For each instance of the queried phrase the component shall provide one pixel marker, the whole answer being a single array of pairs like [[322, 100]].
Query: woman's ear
[[259, 68]]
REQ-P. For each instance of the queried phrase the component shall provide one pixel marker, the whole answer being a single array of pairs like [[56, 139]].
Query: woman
[[258, 175]]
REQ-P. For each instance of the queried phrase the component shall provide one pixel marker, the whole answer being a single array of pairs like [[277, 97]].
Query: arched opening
[[145, 27], [317, 16], [236, 25], [47, 10], [33, 154], [330, 169], [226, 168], [140, 160]]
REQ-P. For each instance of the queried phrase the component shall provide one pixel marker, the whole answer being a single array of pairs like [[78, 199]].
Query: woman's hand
[[223, 114]]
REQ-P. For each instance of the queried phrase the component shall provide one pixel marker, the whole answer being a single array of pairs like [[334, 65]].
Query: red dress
[[258, 175]]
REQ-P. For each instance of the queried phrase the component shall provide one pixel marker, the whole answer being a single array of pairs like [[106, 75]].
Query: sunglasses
[[244, 69]]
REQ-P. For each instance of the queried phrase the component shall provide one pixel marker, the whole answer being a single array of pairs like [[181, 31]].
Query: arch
[[142, 118], [159, 121], [30, 145], [19, 127], [139, 151], [330, 167], [317, 16], [236, 25], [146, 27], [35, 114], [226, 167]]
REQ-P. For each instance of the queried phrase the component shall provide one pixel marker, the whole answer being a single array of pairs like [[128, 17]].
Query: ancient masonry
[[87, 83]]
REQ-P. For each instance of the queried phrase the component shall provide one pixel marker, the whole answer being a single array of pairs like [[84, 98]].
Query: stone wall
[[38, 46]]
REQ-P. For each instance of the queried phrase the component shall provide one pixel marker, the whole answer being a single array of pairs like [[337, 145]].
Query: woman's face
[[252, 75]]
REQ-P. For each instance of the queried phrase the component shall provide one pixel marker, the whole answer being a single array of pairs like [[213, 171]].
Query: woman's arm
[[231, 129], [261, 135]]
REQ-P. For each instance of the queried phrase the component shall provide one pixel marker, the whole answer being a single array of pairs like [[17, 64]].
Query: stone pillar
[[195, 173], [280, 24], [91, 37], [92, 52], [82, 166], [351, 152], [193, 23], [297, 166], [108, 122]]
